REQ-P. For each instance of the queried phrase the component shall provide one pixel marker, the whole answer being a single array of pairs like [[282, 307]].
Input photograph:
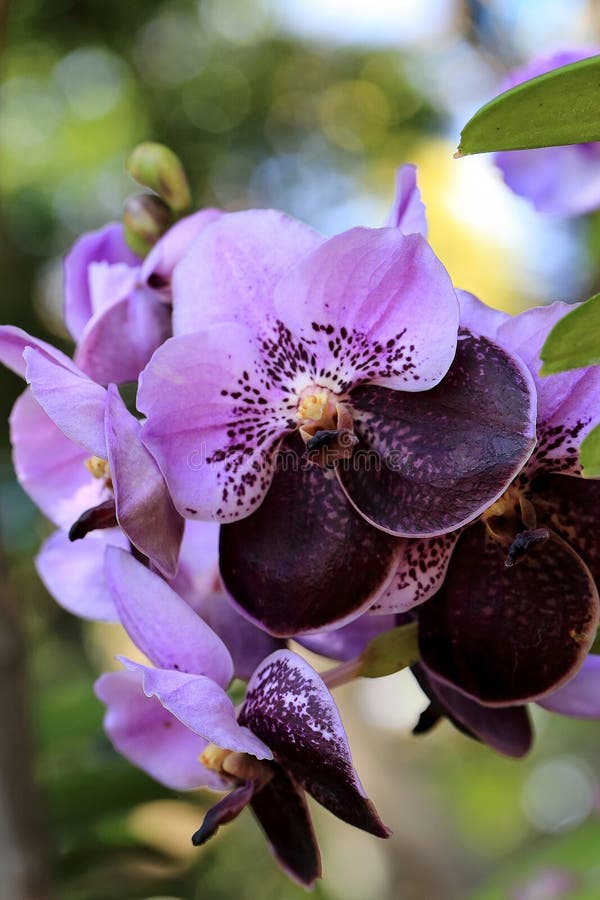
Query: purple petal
[[349, 641], [506, 635], [170, 249], [213, 426], [375, 306], [105, 245], [198, 573], [74, 573], [568, 402], [150, 737], [200, 704], [226, 810], [288, 705], [14, 341], [419, 575], [71, 399], [479, 318], [231, 270], [160, 622], [118, 342], [508, 729], [50, 467], [144, 508], [408, 211], [281, 809], [428, 463], [305, 560], [579, 697]]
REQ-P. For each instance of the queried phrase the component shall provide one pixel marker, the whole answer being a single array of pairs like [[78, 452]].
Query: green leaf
[[389, 652], [560, 107], [574, 342], [589, 454]]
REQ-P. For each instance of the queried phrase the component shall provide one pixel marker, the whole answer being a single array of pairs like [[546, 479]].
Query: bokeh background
[[309, 106]]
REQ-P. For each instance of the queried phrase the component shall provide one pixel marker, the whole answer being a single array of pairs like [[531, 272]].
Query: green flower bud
[[145, 219], [156, 167]]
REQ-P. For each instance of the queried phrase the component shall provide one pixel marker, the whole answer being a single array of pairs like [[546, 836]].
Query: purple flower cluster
[[327, 439]]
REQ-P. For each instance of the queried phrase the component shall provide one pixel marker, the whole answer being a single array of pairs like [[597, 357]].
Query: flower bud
[[145, 219], [156, 167]]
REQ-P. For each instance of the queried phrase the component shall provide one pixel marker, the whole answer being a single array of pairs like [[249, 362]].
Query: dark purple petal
[[579, 697], [420, 572], [226, 810], [118, 342], [507, 729], [288, 705], [281, 809], [160, 622], [349, 641], [428, 463], [104, 515], [144, 507], [374, 305], [305, 559], [150, 737], [408, 210], [506, 635], [108, 246], [569, 506]]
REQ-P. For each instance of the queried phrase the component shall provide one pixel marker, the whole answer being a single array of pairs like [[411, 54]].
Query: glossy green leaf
[[574, 342], [589, 454], [390, 652], [560, 107]]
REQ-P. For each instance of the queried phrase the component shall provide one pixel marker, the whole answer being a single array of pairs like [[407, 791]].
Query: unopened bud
[[145, 219], [156, 167]]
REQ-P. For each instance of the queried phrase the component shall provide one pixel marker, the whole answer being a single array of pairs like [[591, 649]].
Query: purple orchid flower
[[302, 405], [78, 453], [117, 307], [560, 181], [515, 603], [176, 722]]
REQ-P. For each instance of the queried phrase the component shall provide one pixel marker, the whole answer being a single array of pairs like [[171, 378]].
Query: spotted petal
[[214, 421], [579, 697], [506, 635], [231, 270], [419, 575], [428, 463], [145, 510], [305, 560], [408, 210], [374, 306], [289, 706], [200, 704], [150, 737], [161, 623]]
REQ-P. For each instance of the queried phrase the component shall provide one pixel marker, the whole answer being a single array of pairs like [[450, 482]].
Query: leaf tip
[[459, 153]]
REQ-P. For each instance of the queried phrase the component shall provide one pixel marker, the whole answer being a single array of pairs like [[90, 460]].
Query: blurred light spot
[[219, 100], [147, 823], [354, 114], [357, 866], [30, 113], [558, 794], [93, 80], [239, 21], [393, 703], [170, 49]]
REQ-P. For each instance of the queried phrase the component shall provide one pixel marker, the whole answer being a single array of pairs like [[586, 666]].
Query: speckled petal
[[231, 270], [118, 342], [72, 400], [74, 573], [281, 809], [429, 463], [160, 622], [150, 737], [305, 560], [408, 210], [579, 697], [200, 704], [374, 306], [506, 635], [507, 729], [214, 421], [289, 706], [50, 467], [419, 575], [145, 510]]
